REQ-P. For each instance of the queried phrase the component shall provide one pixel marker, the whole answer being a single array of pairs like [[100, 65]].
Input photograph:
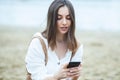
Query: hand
[[75, 72], [65, 72], [62, 73]]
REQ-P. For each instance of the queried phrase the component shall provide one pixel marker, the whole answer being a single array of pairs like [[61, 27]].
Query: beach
[[100, 59]]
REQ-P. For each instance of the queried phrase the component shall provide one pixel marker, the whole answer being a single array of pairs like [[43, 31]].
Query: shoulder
[[79, 54], [35, 46], [35, 42], [36, 39], [37, 35], [80, 45], [79, 50]]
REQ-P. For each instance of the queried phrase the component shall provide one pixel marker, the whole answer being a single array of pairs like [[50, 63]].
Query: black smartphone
[[73, 64]]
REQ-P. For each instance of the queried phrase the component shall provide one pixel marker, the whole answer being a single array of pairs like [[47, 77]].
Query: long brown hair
[[50, 32]]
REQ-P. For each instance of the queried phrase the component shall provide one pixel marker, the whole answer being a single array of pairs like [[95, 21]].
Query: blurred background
[[97, 27], [90, 14]]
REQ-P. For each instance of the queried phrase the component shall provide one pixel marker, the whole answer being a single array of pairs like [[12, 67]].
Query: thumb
[[64, 65]]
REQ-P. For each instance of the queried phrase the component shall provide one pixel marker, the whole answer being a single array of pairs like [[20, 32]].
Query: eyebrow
[[61, 15]]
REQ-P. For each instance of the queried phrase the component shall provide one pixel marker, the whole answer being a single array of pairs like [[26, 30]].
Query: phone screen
[[73, 64]]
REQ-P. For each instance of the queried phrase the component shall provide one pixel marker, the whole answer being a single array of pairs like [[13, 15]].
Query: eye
[[68, 17], [59, 17]]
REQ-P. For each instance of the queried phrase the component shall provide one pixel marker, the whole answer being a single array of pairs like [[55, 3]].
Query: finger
[[74, 74], [64, 66], [64, 75], [77, 75], [75, 69], [65, 70]]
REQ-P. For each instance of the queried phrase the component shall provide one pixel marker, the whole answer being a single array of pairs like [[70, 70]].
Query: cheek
[[58, 23], [69, 23]]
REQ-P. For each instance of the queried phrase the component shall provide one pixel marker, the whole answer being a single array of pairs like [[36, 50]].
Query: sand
[[100, 61]]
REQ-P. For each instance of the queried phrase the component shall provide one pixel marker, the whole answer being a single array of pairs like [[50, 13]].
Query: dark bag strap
[[45, 53], [44, 49]]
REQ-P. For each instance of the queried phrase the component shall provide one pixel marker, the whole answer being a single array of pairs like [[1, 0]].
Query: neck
[[60, 38]]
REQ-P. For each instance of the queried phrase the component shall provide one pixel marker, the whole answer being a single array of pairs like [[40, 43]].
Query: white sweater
[[35, 57]]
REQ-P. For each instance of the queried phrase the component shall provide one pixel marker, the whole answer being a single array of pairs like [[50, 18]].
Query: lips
[[64, 28]]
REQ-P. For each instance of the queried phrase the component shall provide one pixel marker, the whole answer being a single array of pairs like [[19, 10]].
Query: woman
[[62, 46]]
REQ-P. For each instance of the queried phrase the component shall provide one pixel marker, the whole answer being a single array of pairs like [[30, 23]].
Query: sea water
[[90, 15]]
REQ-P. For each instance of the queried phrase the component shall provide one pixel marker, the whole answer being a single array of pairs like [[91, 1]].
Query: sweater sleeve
[[79, 54], [35, 63]]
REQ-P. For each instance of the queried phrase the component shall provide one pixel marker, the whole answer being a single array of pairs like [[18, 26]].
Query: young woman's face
[[63, 20]]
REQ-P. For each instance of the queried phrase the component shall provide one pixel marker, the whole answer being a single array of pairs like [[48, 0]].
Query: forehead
[[63, 10]]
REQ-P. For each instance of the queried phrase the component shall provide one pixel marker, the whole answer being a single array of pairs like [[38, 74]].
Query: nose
[[64, 21]]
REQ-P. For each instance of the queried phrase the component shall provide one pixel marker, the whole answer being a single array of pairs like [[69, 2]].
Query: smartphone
[[73, 64]]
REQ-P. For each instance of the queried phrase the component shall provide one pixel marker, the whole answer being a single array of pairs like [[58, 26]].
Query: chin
[[64, 32]]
